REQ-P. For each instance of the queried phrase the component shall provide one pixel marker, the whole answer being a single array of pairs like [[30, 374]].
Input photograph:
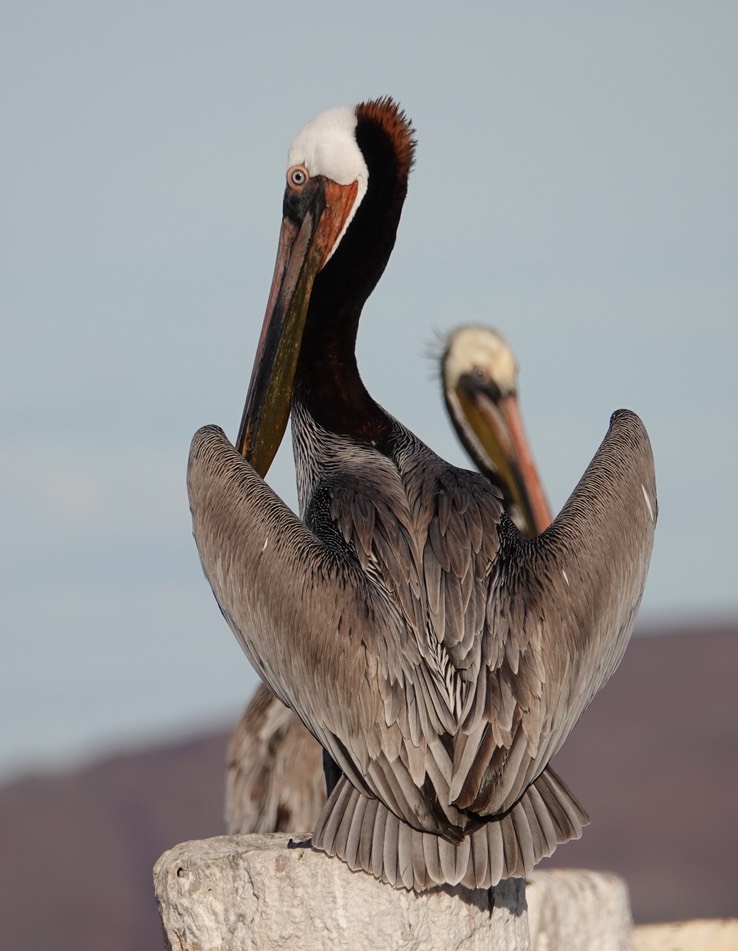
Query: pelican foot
[[302, 843]]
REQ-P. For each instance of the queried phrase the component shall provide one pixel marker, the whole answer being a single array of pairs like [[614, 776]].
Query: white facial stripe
[[327, 146]]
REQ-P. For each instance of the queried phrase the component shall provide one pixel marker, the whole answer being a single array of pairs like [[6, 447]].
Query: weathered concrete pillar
[[719, 934], [251, 892], [237, 893], [578, 911]]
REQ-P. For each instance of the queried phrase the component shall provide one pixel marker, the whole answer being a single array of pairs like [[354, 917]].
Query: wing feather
[[560, 615]]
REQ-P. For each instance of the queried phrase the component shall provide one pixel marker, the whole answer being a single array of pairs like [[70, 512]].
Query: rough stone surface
[[578, 911], [716, 935], [251, 892]]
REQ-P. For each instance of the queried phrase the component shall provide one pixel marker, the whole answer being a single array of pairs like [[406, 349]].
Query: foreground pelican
[[275, 780], [439, 656]]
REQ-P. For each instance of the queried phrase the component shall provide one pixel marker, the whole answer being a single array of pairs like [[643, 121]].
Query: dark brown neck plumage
[[328, 384]]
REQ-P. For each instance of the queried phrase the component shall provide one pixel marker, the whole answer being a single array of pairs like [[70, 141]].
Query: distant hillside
[[654, 760]]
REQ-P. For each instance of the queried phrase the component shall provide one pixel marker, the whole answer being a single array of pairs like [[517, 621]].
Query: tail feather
[[353, 840], [348, 818], [542, 817], [405, 868], [510, 852], [525, 835], [494, 842], [376, 861], [334, 815], [479, 858], [366, 835], [368, 824], [420, 873], [454, 859], [566, 812], [390, 848], [432, 858]]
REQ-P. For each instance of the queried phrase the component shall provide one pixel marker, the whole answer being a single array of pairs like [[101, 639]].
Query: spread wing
[[439, 656], [560, 612]]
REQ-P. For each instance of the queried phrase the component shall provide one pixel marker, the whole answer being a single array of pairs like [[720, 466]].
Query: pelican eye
[[297, 176], [480, 373]]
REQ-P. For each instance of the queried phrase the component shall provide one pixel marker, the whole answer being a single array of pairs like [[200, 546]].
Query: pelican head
[[480, 385], [329, 181]]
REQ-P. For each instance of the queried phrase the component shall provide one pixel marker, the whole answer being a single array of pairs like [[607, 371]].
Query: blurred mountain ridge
[[654, 760]]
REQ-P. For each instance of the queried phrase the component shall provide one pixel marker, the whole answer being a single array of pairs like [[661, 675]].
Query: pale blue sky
[[576, 186]]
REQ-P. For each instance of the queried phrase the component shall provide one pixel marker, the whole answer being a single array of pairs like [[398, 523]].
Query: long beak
[[497, 425], [306, 239]]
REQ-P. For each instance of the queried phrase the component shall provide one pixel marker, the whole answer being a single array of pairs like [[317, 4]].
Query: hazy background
[[576, 186]]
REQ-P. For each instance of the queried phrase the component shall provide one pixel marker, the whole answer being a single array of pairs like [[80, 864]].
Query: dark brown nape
[[387, 143], [388, 114]]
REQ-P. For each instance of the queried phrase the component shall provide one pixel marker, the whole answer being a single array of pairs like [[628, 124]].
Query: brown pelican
[[439, 656], [480, 389], [275, 780]]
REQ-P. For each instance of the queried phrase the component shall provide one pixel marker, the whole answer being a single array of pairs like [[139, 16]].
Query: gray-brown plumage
[[439, 656], [275, 780]]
